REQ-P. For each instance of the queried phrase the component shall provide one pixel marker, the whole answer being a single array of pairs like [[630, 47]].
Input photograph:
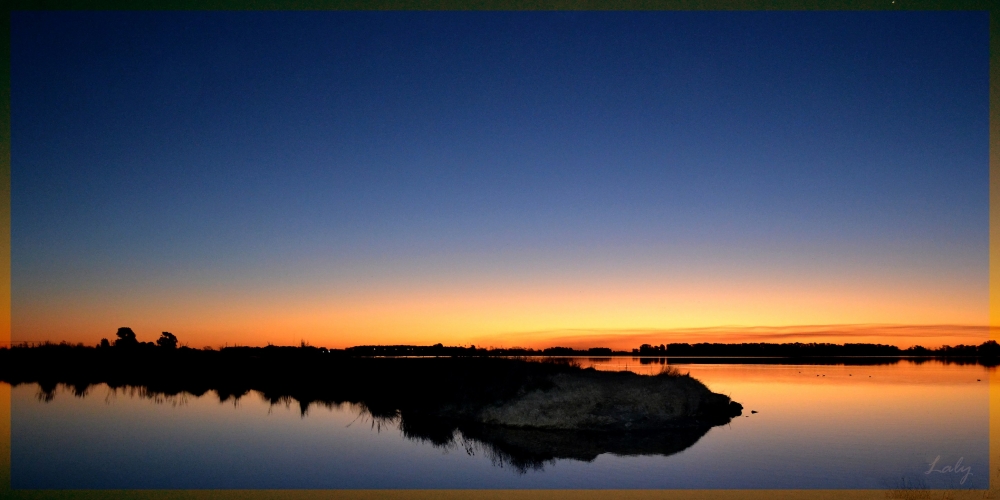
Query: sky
[[500, 178]]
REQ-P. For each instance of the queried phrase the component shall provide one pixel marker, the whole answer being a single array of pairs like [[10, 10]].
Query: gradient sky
[[498, 178]]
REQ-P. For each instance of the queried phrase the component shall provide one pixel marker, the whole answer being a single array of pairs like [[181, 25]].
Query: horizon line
[[576, 337]]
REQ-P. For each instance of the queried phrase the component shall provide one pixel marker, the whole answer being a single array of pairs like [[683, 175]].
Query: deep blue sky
[[177, 151]]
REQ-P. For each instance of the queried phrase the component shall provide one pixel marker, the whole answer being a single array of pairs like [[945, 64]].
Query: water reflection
[[527, 449], [871, 426], [530, 449], [518, 449], [520, 414]]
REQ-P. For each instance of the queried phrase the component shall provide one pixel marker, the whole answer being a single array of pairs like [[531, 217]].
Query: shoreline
[[481, 390]]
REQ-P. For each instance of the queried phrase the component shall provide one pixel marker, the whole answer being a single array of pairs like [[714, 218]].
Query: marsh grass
[[560, 361], [670, 371]]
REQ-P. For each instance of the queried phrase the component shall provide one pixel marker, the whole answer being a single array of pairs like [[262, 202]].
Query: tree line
[[127, 339]]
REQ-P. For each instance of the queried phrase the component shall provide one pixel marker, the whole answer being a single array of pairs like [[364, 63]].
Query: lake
[[881, 426]]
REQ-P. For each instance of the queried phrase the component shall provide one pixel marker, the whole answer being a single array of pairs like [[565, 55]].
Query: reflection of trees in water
[[523, 449], [47, 392], [480, 405], [500, 458], [518, 449], [45, 395], [142, 392]]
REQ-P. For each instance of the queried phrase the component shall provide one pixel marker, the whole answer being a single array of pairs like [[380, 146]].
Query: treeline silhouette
[[989, 349], [441, 350], [986, 353]]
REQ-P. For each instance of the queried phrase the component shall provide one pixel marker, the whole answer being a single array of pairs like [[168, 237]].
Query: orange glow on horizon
[[584, 312]]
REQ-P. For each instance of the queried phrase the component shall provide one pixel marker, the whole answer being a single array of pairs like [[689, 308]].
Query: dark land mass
[[442, 387], [524, 413]]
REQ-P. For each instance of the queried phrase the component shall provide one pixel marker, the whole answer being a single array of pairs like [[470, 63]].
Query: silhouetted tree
[[652, 349], [105, 343], [989, 348], [167, 340], [126, 338]]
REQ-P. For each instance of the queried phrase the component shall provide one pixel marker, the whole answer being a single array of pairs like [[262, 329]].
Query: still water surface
[[816, 426]]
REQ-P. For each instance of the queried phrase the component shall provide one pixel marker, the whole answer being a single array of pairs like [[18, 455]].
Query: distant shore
[[989, 350], [987, 353]]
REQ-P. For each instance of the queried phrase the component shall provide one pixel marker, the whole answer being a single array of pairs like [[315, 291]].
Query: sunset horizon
[[530, 179], [931, 336]]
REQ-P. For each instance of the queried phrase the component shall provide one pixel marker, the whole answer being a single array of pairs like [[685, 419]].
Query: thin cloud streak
[[901, 335]]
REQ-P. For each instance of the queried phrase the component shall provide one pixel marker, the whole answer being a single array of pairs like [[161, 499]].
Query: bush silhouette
[[126, 338], [989, 348], [167, 340]]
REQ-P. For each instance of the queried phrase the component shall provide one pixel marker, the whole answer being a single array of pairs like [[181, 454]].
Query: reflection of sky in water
[[849, 427]]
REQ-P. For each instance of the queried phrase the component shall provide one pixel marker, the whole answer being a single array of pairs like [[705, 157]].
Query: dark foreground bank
[[491, 391], [525, 412]]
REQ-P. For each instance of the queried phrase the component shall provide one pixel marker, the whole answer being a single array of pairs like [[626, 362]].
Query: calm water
[[817, 426]]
